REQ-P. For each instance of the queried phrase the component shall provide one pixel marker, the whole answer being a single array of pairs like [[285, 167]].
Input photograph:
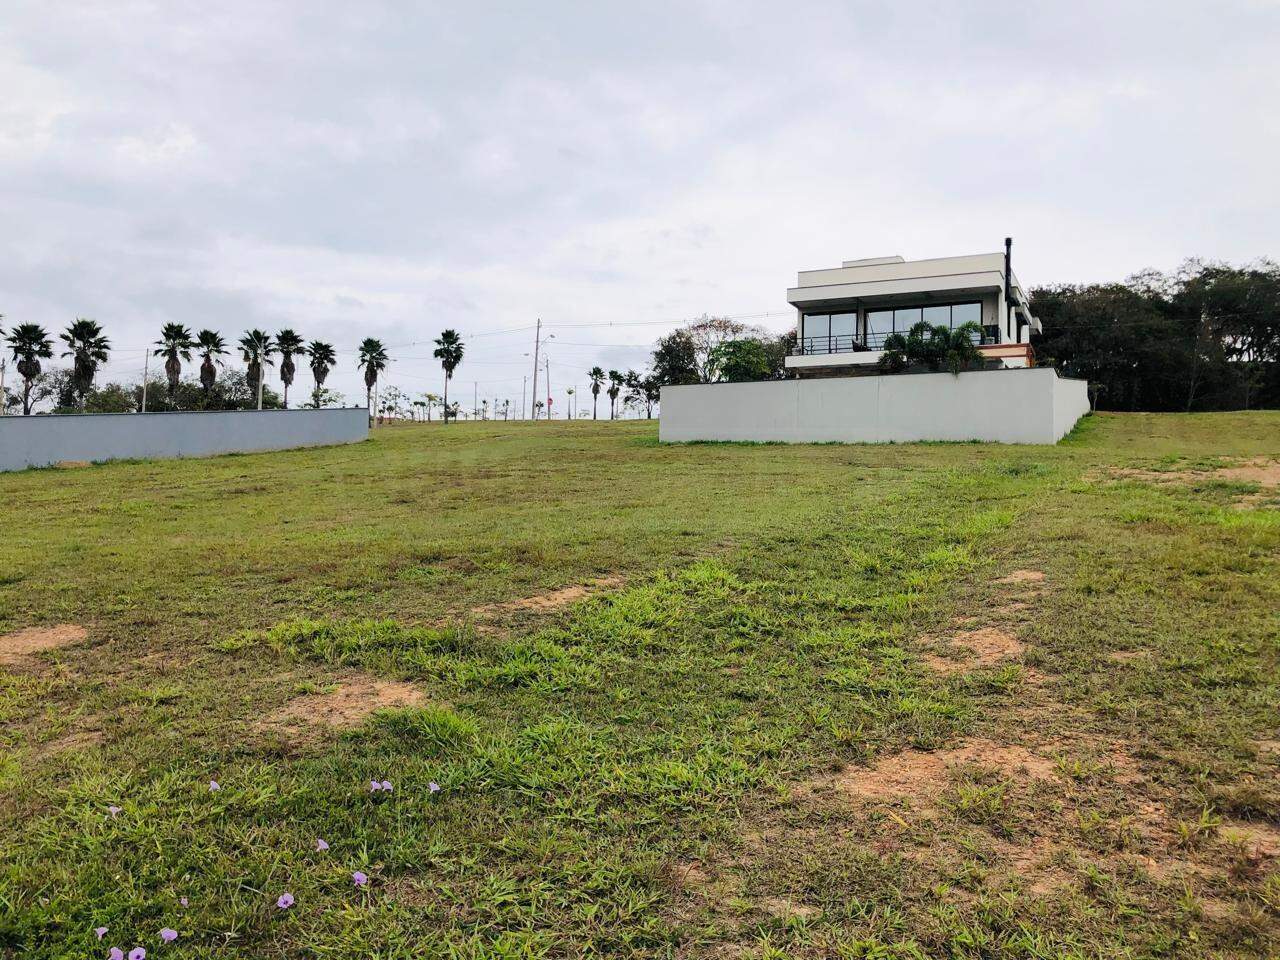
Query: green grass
[[646, 772]]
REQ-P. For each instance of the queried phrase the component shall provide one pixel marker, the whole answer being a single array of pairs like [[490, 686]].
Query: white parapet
[[1032, 405]]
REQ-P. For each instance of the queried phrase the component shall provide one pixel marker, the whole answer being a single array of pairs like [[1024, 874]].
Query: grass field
[[873, 701]]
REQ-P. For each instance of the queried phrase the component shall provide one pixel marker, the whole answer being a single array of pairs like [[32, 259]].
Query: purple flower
[[285, 901], [433, 787], [386, 785], [359, 878], [168, 935], [214, 786], [115, 953], [321, 846], [374, 786], [101, 932], [138, 953], [114, 811], [183, 901]]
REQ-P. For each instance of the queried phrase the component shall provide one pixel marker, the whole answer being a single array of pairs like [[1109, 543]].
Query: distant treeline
[[1206, 337]]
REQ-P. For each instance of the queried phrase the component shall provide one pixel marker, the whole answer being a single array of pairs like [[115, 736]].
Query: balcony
[[871, 342]]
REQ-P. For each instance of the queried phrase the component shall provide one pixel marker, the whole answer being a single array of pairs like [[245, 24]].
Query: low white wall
[[40, 441], [1004, 406]]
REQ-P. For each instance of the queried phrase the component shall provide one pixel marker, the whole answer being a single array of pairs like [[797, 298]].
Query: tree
[[431, 400], [616, 381], [174, 345], [288, 344], [597, 379], [257, 349], [643, 391], [323, 358], [29, 344], [706, 333], [933, 347], [675, 359], [449, 349], [210, 346], [740, 361], [88, 349], [373, 360]]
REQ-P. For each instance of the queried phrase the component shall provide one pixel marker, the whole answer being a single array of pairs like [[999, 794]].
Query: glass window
[[817, 325], [904, 320], [844, 325], [879, 326], [937, 316], [963, 313]]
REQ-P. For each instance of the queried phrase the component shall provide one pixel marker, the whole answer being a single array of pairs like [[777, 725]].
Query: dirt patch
[[1126, 656], [17, 648], [982, 647], [1260, 470], [1262, 839], [783, 907], [71, 464], [550, 601], [1264, 472], [920, 776], [1034, 863], [77, 740], [356, 697], [1023, 576]]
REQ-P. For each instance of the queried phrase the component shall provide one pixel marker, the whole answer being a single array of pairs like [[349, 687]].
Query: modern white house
[[844, 314], [837, 392]]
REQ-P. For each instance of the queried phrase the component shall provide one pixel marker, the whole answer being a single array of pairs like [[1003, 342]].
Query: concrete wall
[[40, 441], [1004, 406]]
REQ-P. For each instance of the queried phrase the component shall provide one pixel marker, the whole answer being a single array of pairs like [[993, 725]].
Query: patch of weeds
[[1190, 834], [430, 729]]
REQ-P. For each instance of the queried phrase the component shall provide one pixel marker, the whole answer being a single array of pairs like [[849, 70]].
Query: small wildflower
[[321, 846], [183, 901], [168, 935], [386, 785], [285, 901], [359, 878], [138, 953], [374, 786], [115, 953], [101, 932], [214, 786], [114, 811], [433, 787]]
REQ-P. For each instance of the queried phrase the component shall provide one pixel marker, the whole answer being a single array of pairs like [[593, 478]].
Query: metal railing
[[807, 346]]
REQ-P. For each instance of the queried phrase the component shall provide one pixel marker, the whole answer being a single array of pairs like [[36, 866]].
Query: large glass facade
[[829, 332], [839, 332]]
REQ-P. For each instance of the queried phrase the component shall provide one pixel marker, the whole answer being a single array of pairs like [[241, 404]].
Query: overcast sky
[[391, 169]]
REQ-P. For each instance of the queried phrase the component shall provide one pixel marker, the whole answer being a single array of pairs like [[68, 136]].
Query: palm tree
[[597, 378], [256, 348], [288, 343], [174, 345], [431, 399], [88, 349], [449, 352], [616, 380], [373, 358], [210, 346], [30, 344], [323, 358]]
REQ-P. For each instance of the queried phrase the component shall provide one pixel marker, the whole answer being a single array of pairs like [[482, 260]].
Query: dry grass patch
[[981, 647], [357, 696], [1023, 576], [19, 647], [543, 602]]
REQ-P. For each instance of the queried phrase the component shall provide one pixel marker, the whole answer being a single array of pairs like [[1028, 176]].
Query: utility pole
[[475, 397], [146, 359], [537, 342], [3, 408], [524, 383], [548, 388]]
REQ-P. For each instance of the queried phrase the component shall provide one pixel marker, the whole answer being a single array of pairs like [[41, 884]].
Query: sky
[[392, 169]]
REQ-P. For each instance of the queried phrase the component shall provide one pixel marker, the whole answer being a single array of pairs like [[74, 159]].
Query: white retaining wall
[[41, 441], [1030, 405]]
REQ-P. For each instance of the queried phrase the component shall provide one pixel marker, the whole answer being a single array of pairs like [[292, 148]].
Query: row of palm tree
[[617, 381], [89, 348]]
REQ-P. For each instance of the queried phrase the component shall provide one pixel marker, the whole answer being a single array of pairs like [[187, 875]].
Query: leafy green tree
[[642, 391], [675, 359], [740, 361], [933, 347], [210, 345], [373, 360], [175, 346], [323, 358], [88, 349], [29, 343], [257, 348], [288, 344], [449, 350], [597, 380]]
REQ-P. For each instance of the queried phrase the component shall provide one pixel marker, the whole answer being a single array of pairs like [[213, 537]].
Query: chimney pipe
[[1008, 285]]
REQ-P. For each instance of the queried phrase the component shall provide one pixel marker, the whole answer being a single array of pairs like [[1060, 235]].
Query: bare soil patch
[[1260, 838], [355, 699], [1023, 576], [551, 601], [980, 647], [920, 776], [17, 648]]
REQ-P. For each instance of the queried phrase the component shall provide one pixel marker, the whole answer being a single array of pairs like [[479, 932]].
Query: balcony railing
[[808, 346]]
